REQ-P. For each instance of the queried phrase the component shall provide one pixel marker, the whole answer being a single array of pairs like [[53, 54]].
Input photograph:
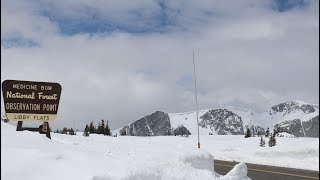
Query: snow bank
[[30, 155], [239, 172]]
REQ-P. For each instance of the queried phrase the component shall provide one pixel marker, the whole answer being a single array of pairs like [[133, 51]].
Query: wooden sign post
[[31, 101]]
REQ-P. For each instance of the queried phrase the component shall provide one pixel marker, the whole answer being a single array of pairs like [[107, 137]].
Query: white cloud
[[246, 55]]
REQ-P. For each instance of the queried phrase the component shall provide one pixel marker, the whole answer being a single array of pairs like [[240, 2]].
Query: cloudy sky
[[120, 60]]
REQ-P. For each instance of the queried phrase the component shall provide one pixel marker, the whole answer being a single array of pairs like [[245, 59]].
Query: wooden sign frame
[[31, 101]]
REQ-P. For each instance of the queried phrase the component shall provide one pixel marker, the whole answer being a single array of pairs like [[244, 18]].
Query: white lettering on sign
[[48, 97], [21, 117], [24, 86], [41, 117], [23, 106], [46, 88], [49, 107], [18, 95]]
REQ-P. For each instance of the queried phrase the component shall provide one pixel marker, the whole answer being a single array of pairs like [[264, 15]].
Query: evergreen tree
[[71, 132], [103, 128], [272, 140], [98, 128], [107, 129], [262, 142], [267, 132], [248, 133], [64, 130], [92, 129], [86, 131]]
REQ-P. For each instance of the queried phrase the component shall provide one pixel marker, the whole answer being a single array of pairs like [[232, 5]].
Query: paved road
[[263, 172]]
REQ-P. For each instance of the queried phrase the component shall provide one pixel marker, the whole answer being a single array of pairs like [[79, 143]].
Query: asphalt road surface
[[263, 172]]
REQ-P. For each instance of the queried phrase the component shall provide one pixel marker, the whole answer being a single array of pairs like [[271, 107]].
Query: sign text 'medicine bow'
[[31, 101]]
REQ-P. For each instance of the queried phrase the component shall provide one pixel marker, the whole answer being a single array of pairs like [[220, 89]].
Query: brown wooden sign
[[31, 101]]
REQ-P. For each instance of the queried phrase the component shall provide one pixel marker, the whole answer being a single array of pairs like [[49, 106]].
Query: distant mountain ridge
[[295, 117]]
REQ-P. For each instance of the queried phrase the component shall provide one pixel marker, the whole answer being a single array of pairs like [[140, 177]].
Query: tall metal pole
[[195, 95]]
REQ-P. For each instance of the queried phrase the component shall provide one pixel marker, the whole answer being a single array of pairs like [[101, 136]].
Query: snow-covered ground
[[29, 155], [302, 153]]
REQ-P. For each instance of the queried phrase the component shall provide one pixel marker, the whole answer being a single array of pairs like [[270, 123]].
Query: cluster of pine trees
[[272, 137], [66, 130], [256, 130], [272, 140], [249, 134], [102, 128]]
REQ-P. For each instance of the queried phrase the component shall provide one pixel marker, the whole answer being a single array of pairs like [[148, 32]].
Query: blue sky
[[164, 17], [17, 41], [76, 18], [128, 59], [287, 5]]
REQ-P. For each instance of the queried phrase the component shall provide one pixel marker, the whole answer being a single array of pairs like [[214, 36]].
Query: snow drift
[[29, 155]]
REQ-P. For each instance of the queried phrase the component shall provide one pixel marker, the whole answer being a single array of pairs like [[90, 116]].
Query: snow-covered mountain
[[296, 117], [155, 124]]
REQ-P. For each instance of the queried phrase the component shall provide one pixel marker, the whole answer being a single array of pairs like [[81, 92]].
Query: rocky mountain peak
[[155, 124], [219, 113], [291, 106], [222, 121]]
